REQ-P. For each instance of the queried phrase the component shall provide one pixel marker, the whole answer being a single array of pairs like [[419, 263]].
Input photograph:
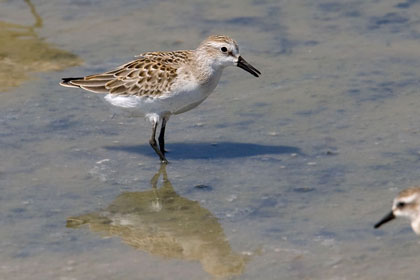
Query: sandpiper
[[406, 204], [157, 85]]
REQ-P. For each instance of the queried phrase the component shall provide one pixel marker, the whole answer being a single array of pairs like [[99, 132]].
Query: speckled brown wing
[[151, 74]]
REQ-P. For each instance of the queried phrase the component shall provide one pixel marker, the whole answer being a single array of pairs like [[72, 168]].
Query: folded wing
[[151, 74]]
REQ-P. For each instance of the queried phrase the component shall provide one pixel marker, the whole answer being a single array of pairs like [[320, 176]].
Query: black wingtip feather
[[66, 80]]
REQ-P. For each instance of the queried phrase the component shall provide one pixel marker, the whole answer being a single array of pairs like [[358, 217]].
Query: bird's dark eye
[[400, 204], [223, 49]]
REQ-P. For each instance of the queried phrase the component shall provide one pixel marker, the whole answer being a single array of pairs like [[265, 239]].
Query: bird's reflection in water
[[161, 222], [23, 51]]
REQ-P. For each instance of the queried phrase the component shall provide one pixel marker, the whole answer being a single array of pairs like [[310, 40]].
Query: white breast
[[184, 96], [190, 97]]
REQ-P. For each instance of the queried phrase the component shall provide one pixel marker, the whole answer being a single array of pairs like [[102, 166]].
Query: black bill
[[248, 67], [389, 217]]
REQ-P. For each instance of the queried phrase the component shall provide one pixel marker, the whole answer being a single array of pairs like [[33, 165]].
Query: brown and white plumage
[[406, 204], [151, 74], [160, 84]]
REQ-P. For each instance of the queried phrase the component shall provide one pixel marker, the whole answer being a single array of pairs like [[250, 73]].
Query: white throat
[[415, 225]]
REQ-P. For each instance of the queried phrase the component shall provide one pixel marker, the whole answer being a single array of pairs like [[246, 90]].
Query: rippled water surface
[[280, 177]]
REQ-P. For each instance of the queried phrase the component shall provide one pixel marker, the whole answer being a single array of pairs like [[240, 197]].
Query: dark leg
[[162, 137], [153, 143]]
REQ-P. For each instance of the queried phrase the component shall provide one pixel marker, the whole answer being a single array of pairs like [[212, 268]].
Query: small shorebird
[[157, 85], [406, 204]]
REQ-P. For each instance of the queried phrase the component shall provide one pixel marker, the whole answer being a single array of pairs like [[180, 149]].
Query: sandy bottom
[[280, 177]]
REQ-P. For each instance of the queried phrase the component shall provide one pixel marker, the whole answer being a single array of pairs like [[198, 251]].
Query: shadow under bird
[[406, 204], [157, 85]]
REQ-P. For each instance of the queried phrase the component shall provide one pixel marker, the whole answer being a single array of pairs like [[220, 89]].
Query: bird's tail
[[66, 82], [94, 83]]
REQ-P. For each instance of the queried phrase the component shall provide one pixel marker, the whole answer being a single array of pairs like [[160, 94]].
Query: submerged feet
[[155, 147]]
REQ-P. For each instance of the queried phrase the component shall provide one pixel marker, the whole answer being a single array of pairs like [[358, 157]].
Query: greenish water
[[280, 177]]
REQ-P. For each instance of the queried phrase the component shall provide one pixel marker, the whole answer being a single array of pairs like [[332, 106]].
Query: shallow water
[[277, 177]]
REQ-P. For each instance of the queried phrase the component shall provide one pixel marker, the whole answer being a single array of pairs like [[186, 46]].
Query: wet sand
[[291, 170]]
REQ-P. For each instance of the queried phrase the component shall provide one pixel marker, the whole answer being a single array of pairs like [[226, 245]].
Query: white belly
[[175, 102], [183, 97], [139, 106]]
